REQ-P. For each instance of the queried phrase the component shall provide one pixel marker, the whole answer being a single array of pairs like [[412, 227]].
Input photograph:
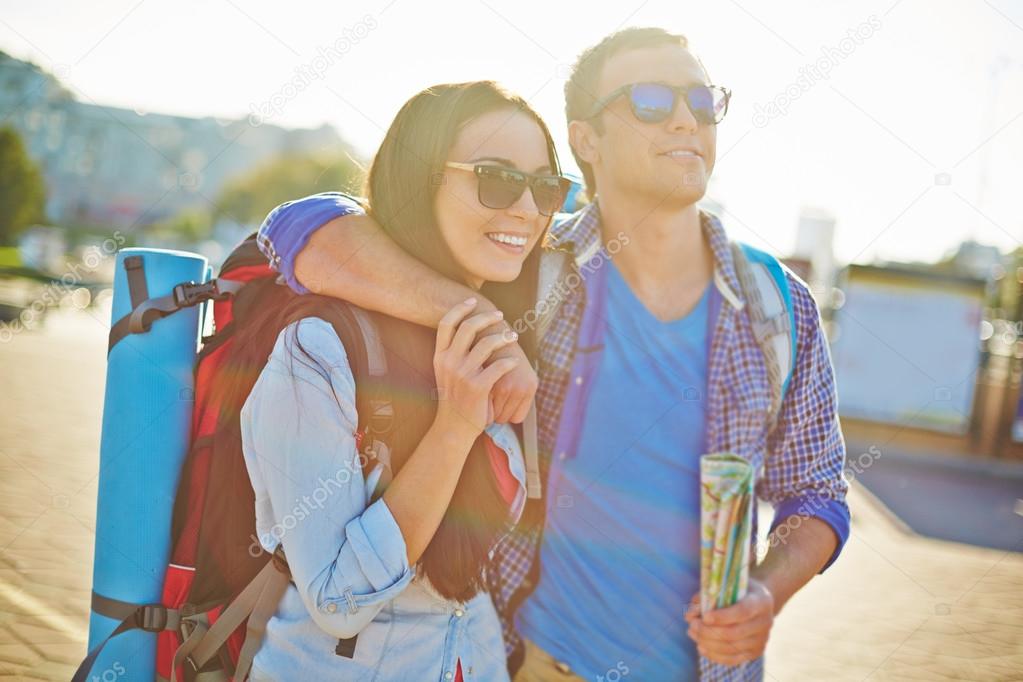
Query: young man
[[647, 361]]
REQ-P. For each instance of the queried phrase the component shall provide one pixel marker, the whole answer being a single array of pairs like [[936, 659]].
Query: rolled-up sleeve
[[347, 559], [287, 229], [803, 471]]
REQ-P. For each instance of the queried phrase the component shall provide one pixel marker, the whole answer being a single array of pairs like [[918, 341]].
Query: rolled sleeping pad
[[147, 412]]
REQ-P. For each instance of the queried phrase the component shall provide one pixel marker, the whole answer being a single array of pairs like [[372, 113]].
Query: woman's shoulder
[[311, 338]]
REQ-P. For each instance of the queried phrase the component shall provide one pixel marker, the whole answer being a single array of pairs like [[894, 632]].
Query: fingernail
[[470, 301], [498, 313], [514, 335]]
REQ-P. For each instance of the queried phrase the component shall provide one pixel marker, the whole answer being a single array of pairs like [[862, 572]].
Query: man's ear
[[583, 139]]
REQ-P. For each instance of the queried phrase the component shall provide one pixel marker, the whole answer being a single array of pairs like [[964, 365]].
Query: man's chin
[[679, 193]]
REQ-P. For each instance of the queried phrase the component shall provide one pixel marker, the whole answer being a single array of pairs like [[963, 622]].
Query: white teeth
[[513, 240], [680, 152]]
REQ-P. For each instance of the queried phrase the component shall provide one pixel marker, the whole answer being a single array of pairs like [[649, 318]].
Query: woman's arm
[[352, 258], [298, 427], [298, 424], [421, 492]]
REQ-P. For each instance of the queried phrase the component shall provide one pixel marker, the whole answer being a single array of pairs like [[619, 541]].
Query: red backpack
[[221, 587]]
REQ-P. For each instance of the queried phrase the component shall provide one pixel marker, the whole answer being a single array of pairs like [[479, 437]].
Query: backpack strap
[[258, 601], [147, 310], [368, 359], [766, 288]]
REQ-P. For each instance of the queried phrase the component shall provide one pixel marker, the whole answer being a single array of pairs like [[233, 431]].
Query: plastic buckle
[[152, 617], [188, 294], [280, 561]]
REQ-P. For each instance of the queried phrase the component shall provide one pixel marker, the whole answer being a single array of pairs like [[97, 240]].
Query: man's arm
[[803, 479], [352, 258], [326, 244]]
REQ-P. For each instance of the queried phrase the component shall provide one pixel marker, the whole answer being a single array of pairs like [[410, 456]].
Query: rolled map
[[726, 520]]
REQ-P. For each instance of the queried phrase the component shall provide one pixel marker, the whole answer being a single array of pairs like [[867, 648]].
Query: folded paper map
[[726, 518]]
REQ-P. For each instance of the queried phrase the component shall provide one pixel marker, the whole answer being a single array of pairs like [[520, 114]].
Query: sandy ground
[[894, 607]]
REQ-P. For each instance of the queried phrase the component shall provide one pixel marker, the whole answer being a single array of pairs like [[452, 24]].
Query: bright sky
[[895, 142]]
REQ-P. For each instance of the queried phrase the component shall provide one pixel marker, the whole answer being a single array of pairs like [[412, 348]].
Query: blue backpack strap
[[766, 288]]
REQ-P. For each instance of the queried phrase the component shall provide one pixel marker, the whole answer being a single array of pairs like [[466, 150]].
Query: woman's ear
[[583, 138]]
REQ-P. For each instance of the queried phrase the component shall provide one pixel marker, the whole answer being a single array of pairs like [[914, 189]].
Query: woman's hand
[[464, 380], [513, 393]]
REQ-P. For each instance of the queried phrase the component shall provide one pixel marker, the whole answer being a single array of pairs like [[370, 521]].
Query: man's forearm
[[793, 560], [352, 258]]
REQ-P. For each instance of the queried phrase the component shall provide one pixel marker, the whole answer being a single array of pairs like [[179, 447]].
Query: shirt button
[[448, 675], [459, 613], [578, 381], [562, 455], [331, 607]]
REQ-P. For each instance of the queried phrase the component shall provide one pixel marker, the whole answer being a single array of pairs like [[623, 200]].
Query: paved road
[[896, 606], [949, 499]]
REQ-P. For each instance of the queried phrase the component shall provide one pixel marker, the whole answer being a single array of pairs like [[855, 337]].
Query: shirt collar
[[579, 234]]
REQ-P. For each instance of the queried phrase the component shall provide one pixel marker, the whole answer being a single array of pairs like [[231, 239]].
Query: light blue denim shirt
[[348, 558]]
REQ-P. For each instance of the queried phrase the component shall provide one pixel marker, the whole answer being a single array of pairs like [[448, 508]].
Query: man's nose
[[682, 119]]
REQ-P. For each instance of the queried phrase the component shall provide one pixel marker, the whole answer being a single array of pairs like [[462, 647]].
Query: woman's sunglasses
[[500, 187], [655, 102]]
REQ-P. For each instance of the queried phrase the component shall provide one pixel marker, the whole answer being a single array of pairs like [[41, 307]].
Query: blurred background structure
[[875, 145]]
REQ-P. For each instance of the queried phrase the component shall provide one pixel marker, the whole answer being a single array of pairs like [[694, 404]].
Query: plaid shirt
[[799, 463]]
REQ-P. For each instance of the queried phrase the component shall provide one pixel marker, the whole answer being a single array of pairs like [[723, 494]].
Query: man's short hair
[[581, 88]]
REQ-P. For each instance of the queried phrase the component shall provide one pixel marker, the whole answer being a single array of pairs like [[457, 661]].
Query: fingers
[[449, 323], [495, 371], [485, 347], [503, 405], [522, 409], [739, 612], [729, 633], [469, 329], [692, 610]]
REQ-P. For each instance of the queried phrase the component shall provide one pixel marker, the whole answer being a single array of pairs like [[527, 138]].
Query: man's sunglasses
[[500, 187], [655, 102]]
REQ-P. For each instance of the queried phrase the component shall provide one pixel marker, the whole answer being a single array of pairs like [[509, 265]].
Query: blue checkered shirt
[[799, 462]]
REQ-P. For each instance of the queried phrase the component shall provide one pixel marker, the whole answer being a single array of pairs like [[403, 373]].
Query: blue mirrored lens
[[652, 102], [701, 102]]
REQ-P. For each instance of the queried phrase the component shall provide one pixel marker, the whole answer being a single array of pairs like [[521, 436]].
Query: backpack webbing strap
[[148, 310], [530, 453], [257, 602], [771, 315], [135, 269], [148, 617]]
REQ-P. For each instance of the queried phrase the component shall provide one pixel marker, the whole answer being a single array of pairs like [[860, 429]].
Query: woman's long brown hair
[[401, 188]]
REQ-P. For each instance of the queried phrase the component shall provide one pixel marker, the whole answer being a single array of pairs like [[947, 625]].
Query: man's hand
[[512, 395], [737, 633]]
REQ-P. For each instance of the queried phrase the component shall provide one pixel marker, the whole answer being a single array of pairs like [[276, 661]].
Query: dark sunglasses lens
[[549, 195], [652, 102], [500, 189], [706, 103]]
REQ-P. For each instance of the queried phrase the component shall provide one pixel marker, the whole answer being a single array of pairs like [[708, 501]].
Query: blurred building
[[122, 168], [978, 260], [815, 240]]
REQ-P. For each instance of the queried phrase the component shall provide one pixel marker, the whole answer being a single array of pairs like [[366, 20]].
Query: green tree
[[248, 198], [189, 226], [22, 191]]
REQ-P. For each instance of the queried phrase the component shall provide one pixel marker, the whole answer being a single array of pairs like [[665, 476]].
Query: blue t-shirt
[[621, 552]]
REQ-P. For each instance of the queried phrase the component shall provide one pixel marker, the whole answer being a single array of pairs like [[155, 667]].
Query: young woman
[[466, 180]]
